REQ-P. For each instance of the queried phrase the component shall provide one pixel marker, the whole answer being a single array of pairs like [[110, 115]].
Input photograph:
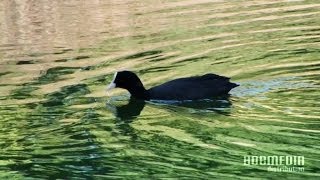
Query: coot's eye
[[121, 81]]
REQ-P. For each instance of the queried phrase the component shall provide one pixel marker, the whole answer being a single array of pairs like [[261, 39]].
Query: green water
[[57, 121]]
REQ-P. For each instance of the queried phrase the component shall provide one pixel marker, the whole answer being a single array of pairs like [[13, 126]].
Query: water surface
[[56, 57]]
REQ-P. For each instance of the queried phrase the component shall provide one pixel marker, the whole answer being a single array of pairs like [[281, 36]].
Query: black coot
[[190, 88]]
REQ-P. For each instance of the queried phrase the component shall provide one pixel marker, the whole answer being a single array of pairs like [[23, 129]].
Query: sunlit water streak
[[57, 121]]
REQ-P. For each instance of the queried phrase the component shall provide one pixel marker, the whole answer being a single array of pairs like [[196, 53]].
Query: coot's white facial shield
[[112, 85]]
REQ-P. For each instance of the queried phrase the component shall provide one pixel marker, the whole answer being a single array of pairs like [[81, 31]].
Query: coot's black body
[[190, 88]]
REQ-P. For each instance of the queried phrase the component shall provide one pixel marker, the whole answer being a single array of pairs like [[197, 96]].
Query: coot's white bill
[[112, 85]]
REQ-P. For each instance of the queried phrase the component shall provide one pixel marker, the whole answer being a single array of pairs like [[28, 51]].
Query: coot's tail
[[232, 85]]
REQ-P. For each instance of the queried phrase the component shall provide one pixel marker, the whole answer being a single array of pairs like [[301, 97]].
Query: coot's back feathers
[[190, 88]]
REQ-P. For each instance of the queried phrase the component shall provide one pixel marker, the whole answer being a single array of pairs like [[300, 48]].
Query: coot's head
[[129, 81]]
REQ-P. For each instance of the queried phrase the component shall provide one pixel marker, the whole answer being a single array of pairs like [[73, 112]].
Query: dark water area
[[58, 122]]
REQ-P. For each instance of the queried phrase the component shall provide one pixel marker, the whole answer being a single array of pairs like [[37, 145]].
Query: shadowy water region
[[57, 121]]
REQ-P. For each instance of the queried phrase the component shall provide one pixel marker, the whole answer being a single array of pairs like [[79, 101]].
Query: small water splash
[[260, 88]]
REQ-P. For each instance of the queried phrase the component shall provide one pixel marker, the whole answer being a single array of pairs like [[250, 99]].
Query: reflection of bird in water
[[132, 110], [220, 105], [126, 114], [128, 111]]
